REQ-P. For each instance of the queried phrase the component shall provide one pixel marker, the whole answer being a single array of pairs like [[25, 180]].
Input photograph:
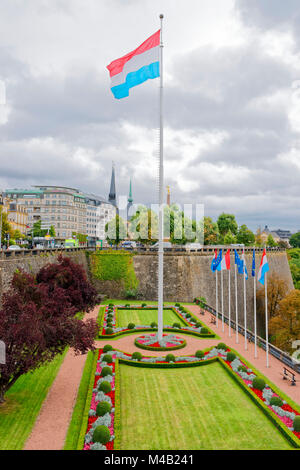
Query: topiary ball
[[101, 434], [144, 305], [204, 331], [136, 355], [188, 315], [153, 325], [276, 401], [109, 331], [230, 356], [106, 371], [170, 358], [131, 326], [107, 358], [110, 305], [102, 408], [199, 354], [176, 325], [222, 346], [242, 369], [296, 424], [107, 347], [177, 304], [105, 387], [258, 383], [198, 324], [109, 324]]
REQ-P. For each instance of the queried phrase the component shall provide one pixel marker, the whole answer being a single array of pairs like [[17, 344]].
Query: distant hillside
[[294, 262]]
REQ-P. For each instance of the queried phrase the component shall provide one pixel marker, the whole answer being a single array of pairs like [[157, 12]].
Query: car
[[14, 248], [193, 246], [165, 245], [128, 244]]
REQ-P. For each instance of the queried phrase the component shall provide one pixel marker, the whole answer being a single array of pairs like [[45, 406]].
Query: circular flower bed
[[168, 342]]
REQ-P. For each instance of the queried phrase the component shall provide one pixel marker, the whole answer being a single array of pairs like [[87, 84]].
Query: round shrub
[[153, 325], [222, 346], [198, 324], [230, 356], [109, 316], [204, 330], [101, 434], [188, 315], [199, 354], [109, 324], [131, 326], [276, 401], [176, 325], [107, 358], [105, 387], [107, 347], [127, 305], [242, 369], [258, 383], [106, 371], [110, 305], [170, 358], [136, 355], [177, 304], [109, 331], [102, 408], [296, 424], [144, 305]]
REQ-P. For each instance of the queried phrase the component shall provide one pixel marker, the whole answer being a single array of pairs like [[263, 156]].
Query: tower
[[112, 198], [130, 200]]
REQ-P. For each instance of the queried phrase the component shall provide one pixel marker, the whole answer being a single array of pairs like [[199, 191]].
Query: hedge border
[[151, 348], [117, 417]]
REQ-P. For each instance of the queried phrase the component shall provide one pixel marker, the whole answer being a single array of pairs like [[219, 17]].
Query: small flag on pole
[[253, 263], [263, 268], [216, 261], [135, 67], [225, 263]]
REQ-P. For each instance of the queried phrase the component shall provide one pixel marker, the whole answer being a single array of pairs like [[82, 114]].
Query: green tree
[[115, 230], [295, 240], [37, 230], [211, 232], [229, 238], [270, 241], [6, 227], [227, 222], [144, 225], [245, 236], [258, 238], [17, 235], [52, 231]]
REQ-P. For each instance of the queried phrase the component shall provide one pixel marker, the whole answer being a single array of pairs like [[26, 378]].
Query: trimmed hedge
[[107, 347], [258, 383], [156, 348]]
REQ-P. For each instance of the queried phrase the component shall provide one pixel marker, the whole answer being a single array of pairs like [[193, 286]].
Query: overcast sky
[[232, 95]]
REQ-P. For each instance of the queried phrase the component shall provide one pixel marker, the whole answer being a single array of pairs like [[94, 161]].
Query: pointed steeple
[[130, 200], [112, 198]]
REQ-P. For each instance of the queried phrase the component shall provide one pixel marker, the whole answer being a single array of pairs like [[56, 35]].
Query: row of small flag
[[220, 263]]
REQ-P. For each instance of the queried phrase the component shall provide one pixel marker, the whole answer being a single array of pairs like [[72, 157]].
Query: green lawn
[[145, 317], [189, 409], [23, 402]]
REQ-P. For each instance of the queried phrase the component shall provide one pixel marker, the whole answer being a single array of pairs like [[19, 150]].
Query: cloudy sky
[[232, 95]]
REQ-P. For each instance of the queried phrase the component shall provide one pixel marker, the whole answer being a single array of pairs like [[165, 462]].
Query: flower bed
[[168, 342]]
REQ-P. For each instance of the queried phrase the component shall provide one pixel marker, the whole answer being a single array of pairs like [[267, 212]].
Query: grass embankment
[[23, 403], [189, 409], [146, 317]]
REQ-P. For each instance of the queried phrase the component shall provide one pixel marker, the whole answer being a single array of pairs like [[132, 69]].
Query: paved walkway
[[50, 429]]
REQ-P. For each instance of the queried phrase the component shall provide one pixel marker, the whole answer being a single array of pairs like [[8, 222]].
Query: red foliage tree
[[38, 319]]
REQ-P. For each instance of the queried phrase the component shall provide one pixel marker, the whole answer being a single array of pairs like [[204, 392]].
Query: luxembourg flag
[[225, 263], [135, 67], [263, 268]]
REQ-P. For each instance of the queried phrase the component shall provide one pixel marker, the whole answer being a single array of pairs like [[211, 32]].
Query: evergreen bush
[[101, 434]]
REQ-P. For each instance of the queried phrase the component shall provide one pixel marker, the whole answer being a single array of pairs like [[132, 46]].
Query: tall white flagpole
[[222, 300], [229, 304], [267, 328], [245, 305], [236, 308], [255, 325], [217, 303], [161, 196]]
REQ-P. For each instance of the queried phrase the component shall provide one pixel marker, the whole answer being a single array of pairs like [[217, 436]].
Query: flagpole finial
[[161, 16]]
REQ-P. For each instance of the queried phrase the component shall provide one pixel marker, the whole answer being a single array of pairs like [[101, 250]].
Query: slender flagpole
[[267, 328], [236, 308], [222, 300], [255, 326], [161, 185], [245, 305], [229, 305], [217, 304]]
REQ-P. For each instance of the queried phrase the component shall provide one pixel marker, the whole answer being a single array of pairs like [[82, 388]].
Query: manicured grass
[[23, 403], [145, 317], [76, 421], [139, 302], [189, 409]]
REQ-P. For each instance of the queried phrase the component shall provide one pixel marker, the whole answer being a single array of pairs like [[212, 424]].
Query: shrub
[[109, 325], [131, 326], [105, 387], [110, 305], [199, 354], [107, 347], [176, 325], [109, 331], [198, 324], [144, 305], [153, 324], [230, 356], [127, 305], [188, 315], [101, 434], [296, 424], [242, 369], [222, 346], [170, 358], [107, 358], [276, 401], [258, 383], [102, 408], [106, 371], [204, 330], [136, 355], [177, 304]]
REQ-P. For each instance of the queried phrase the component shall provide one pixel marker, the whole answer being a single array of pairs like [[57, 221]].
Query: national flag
[[253, 263], [216, 261], [135, 67], [242, 268], [225, 263], [237, 259], [263, 268]]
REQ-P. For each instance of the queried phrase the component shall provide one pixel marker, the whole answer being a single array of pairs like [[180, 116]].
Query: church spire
[[130, 200], [112, 198]]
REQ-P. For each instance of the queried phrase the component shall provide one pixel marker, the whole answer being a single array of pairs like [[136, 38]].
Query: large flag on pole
[[135, 67], [225, 262], [263, 268], [253, 263]]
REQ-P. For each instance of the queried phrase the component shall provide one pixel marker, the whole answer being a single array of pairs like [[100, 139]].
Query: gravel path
[[52, 424]]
